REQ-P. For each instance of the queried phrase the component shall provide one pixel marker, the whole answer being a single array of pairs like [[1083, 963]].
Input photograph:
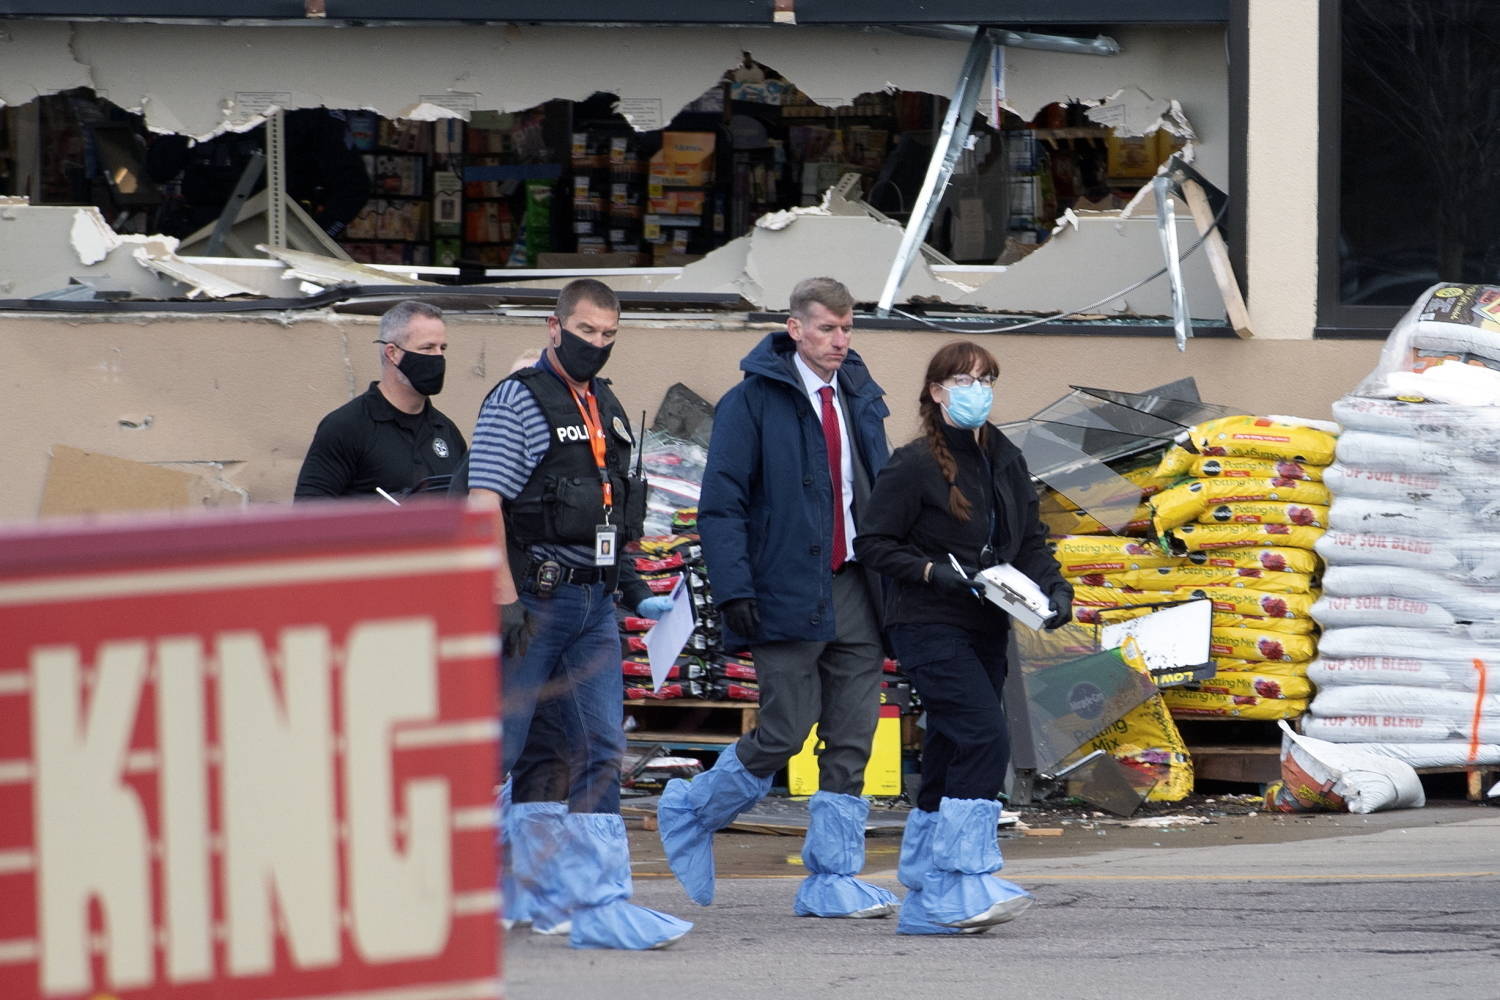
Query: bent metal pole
[[950, 143]]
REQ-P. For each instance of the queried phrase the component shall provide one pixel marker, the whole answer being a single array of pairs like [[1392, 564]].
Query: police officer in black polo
[[391, 437]]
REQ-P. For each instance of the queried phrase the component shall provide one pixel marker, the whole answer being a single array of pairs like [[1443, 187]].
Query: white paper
[[670, 633], [1171, 638], [643, 113], [1016, 593]]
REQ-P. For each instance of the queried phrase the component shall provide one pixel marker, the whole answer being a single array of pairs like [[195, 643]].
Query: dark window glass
[[1420, 149]]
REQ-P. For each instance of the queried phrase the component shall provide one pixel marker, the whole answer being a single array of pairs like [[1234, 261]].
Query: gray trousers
[[834, 684]]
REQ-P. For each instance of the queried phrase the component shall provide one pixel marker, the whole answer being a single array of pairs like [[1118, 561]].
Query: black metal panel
[[657, 11], [606, 11], [1012, 12], [241, 9], [1007, 12]]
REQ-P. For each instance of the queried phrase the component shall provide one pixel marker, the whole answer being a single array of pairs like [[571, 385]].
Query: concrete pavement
[[1401, 905]]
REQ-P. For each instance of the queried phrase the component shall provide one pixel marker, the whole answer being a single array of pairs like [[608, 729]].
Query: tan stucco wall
[[1281, 197], [249, 390]]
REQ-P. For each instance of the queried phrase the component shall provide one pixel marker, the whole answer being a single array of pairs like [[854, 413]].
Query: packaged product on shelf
[[727, 690]]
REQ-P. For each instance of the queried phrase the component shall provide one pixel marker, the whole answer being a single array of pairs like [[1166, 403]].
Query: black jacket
[[907, 525]]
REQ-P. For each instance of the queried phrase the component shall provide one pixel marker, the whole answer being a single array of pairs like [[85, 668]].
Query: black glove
[[1060, 596], [742, 615], [516, 629], [950, 581]]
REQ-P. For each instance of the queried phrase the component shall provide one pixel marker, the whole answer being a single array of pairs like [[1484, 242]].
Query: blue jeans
[[569, 680]]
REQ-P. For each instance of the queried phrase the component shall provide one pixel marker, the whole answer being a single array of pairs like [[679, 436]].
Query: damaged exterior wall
[[199, 79], [248, 392]]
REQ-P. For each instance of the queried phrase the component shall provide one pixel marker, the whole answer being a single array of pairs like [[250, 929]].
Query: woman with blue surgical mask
[[956, 500]]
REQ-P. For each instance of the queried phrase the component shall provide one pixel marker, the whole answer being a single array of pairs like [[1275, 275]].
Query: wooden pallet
[[1478, 780], [1234, 750], [691, 723]]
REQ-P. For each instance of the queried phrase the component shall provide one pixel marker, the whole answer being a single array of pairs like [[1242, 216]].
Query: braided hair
[[958, 358]]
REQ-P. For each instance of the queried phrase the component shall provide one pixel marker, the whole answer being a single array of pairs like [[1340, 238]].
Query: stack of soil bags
[[1411, 600], [1235, 514]]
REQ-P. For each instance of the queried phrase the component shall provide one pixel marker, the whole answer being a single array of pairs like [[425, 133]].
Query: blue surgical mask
[[969, 405]]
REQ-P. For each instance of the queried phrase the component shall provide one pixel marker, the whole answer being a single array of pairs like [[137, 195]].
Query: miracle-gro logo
[[1086, 700]]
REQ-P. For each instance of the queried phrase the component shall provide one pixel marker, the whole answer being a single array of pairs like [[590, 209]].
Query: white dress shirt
[[813, 383]]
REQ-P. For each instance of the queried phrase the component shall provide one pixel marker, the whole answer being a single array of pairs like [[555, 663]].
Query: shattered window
[[1420, 147]]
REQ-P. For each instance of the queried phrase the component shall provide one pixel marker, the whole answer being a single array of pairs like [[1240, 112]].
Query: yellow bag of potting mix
[[1251, 644], [1204, 537], [1185, 704], [1216, 467], [1189, 501]]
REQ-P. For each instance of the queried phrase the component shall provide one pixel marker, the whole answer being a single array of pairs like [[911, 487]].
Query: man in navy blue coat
[[795, 448]]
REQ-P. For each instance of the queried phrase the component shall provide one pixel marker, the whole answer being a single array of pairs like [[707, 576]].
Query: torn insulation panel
[[785, 247], [1095, 255]]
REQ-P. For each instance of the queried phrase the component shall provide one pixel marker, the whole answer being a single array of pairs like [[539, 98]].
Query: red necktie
[[836, 473]]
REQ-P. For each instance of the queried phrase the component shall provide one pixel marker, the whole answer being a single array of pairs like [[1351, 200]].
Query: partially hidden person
[[795, 449], [389, 437], [957, 500], [551, 459]]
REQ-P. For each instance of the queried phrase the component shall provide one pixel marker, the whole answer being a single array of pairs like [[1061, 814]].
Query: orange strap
[[595, 425], [1478, 711]]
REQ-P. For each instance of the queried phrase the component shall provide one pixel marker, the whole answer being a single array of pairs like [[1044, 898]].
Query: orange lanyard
[[595, 425]]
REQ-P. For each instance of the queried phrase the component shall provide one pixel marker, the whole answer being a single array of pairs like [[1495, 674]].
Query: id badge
[[606, 537]]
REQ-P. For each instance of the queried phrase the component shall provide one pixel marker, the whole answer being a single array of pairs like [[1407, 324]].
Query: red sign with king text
[[249, 756]]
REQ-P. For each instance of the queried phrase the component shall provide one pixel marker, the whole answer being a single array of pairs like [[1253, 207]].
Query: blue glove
[[654, 607]]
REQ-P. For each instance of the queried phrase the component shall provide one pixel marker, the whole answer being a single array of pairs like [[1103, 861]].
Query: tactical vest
[[563, 500]]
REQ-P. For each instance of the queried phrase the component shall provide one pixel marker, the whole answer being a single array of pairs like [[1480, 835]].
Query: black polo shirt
[[367, 442]]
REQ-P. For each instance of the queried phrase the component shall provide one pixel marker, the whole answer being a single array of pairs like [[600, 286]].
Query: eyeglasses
[[964, 381]]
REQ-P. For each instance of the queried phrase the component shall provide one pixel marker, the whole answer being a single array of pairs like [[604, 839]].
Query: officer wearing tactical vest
[[551, 456]]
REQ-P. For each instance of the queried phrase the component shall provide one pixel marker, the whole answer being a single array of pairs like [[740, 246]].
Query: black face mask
[[423, 371], [580, 359]]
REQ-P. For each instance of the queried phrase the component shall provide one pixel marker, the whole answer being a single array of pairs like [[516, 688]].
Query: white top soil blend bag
[[1403, 612], [1466, 601], [1398, 728], [1407, 671], [1358, 548], [1456, 643], [1364, 781], [1449, 320]]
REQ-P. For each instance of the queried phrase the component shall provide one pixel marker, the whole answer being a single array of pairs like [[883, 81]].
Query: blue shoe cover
[[914, 918], [960, 900], [595, 866], [536, 832], [965, 839], [916, 848], [958, 889], [834, 852], [515, 907], [691, 811]]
